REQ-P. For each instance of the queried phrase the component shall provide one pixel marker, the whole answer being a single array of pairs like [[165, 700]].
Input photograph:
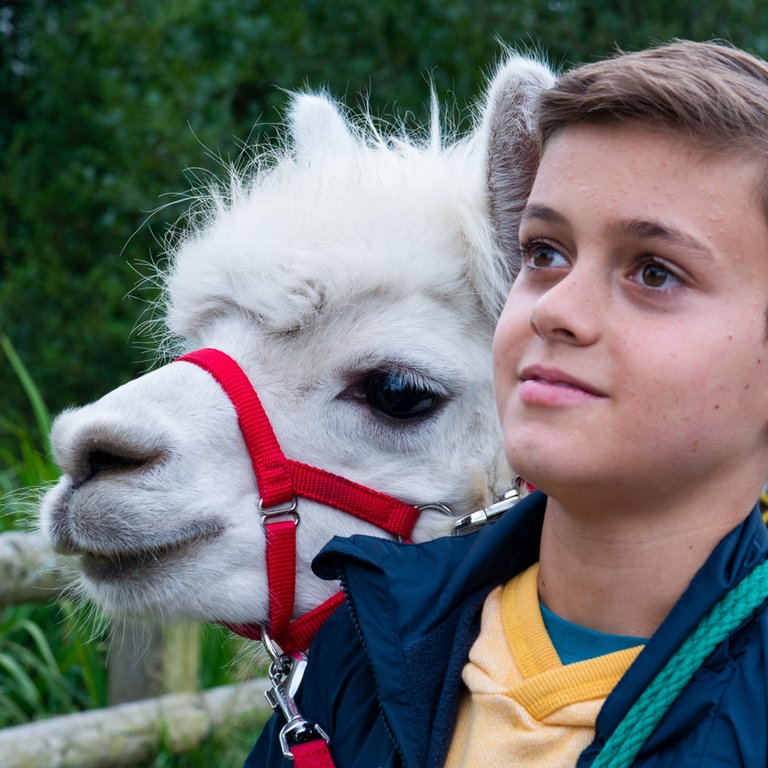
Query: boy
[[631, 366]]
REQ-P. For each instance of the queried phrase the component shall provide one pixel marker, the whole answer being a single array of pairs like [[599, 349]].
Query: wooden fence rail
[[153, 677], [131, 734], [29, 571]]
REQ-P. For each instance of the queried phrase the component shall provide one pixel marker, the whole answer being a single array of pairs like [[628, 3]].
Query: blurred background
[[111, 109]]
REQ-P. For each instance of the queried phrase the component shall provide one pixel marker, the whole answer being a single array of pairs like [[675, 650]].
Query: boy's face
[[632, 354]]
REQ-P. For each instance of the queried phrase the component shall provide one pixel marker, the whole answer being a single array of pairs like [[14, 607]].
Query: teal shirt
[[574, 643]]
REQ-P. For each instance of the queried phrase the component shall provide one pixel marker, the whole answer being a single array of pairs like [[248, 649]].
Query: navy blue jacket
[[384, 673]]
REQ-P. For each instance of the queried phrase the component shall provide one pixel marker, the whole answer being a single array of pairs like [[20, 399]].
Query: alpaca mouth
[[140, 562]]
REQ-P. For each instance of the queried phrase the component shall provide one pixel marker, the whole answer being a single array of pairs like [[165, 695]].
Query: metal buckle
[[437, 507], [285, 673], [300, 733], [488, 514], [278, 512]]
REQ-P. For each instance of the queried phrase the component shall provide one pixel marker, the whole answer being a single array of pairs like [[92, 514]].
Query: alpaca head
[[356, 279]]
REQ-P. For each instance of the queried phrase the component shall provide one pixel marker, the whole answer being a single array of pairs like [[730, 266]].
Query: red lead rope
[[312, 754], [281, 483]]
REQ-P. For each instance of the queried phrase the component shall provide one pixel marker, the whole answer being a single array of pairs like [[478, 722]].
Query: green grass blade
[[42, 415], [22, 682]]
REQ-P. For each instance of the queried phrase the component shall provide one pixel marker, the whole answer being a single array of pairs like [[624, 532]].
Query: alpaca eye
[[399, 396]]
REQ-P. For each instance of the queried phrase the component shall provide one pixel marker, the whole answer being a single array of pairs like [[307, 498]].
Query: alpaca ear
[[317, 126], [508, 128]]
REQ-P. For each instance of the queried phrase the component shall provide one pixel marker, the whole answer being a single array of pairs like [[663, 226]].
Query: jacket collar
[[457, 566]]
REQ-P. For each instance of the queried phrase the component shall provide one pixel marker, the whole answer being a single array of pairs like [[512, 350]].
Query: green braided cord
[[632, 732]]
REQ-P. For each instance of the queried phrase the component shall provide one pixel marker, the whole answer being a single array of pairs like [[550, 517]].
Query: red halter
[[281, 482]]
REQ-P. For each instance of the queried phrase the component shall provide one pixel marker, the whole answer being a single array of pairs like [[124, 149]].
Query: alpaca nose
[[89, 449]]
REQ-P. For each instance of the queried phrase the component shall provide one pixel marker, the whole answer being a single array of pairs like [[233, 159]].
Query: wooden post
[[152, 659]]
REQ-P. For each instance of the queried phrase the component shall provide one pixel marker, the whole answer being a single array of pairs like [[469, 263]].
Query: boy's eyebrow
[[542, 212], [639, 229], [653, 230]]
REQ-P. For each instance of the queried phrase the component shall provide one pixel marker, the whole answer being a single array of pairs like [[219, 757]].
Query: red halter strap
[[281, 482]]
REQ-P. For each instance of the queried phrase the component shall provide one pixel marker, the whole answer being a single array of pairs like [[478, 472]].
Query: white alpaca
[[356, 280]]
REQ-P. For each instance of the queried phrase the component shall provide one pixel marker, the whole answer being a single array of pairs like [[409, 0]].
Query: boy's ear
[[508, 128]]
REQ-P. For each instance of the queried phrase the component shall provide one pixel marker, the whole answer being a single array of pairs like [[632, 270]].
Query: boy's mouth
[[535, 381]]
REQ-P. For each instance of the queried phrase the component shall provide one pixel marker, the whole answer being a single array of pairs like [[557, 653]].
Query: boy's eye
[[542, 256], [655, 275]]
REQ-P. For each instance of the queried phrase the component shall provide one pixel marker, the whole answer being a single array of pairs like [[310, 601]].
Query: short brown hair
[[710, 94]]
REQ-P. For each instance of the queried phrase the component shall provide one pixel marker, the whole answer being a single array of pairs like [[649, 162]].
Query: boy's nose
[[570, 310]]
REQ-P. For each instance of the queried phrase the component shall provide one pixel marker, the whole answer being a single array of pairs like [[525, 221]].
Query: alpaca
[[356, 279]]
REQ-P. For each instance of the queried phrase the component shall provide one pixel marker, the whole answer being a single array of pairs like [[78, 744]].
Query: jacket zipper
[[358, 630]]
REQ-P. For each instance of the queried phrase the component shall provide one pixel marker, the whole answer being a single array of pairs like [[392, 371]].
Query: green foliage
[[23, 460], [221, 750], [51, 662]]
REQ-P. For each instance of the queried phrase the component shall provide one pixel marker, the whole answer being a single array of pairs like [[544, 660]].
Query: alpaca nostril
[[101, 460]]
